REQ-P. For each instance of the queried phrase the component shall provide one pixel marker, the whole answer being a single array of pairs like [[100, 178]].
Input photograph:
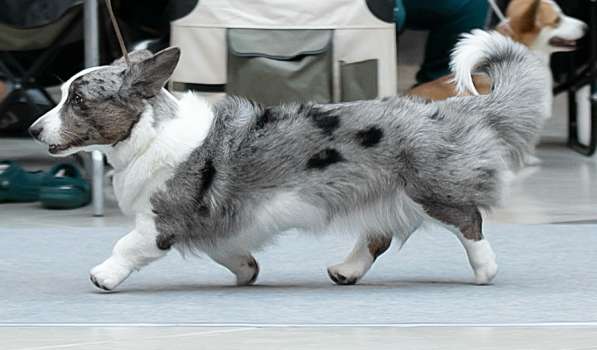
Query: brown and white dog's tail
[[515, 107]]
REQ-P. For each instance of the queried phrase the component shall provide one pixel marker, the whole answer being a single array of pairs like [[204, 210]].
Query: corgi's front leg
[[131, 252]]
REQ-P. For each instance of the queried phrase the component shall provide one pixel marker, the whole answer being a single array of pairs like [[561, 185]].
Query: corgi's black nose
[[35, 131]]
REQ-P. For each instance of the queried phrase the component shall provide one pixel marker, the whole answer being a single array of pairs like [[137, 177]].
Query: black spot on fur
[[208, 174], [165, 242], [370, 136], [203, 210], [325, 121], [436, 116], [486, 173], [301, 108], [324, 158], [267, 117], [403, 179]]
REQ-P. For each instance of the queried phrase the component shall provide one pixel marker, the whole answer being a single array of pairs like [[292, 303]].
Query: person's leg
[[446, 20]]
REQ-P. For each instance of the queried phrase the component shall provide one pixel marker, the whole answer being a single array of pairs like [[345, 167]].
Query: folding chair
[[283, 50], [46, 26]]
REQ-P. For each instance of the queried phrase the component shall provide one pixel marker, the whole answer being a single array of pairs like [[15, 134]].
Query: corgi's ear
[[525, 20], [148, 76]]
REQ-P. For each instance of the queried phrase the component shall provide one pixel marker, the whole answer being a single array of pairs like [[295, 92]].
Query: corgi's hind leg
[[243, 265], [359, 261], [466, 223]]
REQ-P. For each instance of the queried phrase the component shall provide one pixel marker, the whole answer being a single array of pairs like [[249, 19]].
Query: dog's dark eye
[[76, 99]]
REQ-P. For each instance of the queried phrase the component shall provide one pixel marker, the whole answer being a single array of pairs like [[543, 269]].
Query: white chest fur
[[145, 161]]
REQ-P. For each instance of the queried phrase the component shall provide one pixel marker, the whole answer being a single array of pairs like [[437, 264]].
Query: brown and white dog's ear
[[523, 15], [147, 77], [505, 28]]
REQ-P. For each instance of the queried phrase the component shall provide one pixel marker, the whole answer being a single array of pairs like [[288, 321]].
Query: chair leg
[[91, 35], [591, 79], [573, 137], [97, 180]]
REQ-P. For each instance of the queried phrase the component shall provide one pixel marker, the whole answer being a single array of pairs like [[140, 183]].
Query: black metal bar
[[212, 88], [4, 68], [575, 79]]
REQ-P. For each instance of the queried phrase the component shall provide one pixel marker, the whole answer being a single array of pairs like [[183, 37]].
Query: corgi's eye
[[76, 99]]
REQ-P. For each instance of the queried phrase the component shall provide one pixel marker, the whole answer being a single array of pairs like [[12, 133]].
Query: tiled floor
[[291, 338]]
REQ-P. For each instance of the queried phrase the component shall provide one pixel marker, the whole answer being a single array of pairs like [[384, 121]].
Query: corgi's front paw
[[109, 274], [484, 274]]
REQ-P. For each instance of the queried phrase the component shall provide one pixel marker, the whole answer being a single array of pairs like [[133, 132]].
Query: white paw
[[346, 274], [109, 274], [485, 273], [248, 272], [482, 259]]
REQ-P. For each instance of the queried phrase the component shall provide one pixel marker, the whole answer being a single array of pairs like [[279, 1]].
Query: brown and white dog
[[538, 24]]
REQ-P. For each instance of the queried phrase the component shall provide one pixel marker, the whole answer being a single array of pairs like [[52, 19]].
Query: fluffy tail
[[517, 104]]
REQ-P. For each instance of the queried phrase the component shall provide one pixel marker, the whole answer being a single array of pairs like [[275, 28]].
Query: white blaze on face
[[567, 29], [51, 122], [571, 28]]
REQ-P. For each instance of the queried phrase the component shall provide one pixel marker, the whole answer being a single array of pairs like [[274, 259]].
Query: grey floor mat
[[548, 273]]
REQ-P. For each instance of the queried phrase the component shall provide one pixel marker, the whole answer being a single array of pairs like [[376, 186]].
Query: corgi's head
[[101, 105], [542, 26]]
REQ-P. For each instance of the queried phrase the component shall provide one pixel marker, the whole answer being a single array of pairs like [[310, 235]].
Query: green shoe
[[64, 188], [18, 185]]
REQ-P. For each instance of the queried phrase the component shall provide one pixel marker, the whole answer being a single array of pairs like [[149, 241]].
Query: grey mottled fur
[[341, 157], [226, 182]]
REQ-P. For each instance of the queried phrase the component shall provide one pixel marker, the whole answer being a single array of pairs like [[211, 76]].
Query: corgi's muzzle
[[47, 130]]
